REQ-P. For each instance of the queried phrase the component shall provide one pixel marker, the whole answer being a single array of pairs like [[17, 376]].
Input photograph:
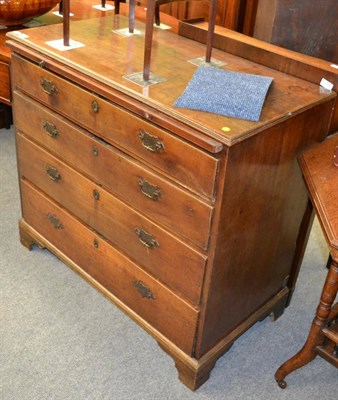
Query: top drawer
[[182, 161]]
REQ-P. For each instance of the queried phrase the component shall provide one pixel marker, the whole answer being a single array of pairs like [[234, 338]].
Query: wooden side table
[[320, 170]]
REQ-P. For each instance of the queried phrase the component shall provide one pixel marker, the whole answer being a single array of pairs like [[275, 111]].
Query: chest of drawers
[[189, 228]]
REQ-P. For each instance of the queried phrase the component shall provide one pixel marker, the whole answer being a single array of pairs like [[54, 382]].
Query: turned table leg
[[315, 337]]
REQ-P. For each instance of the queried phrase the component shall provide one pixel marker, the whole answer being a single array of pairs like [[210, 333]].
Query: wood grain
[[178, 210], [239, 264], [111, 269], [116, 221]]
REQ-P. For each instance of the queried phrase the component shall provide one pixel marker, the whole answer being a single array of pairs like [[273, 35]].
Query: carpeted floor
[[62, 340]]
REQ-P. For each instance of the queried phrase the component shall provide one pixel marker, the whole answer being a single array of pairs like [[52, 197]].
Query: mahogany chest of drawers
[[188, 221]]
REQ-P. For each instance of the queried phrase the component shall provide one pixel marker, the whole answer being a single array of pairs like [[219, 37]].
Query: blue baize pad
[[219, 91]]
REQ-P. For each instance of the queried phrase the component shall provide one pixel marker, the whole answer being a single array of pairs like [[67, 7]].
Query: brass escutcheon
[[335, 157], [95, 151], [96, 194], [95, 106], [48, 86], [150, 142]]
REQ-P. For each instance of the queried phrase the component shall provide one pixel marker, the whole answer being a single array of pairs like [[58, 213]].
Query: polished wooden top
[[80, 9], [107, 57], [321, 177]]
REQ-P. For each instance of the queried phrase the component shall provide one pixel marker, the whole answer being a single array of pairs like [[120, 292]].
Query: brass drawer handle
[[56, 223], [48, 86], [151, 191], [151, 143], [50, 129], [53, 173], [145, 292], [146, 238]]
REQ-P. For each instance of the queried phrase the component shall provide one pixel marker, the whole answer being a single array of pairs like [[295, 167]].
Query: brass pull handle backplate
[[149, 190], [151, 143], [50, 129], [145, 292], [146, 238], [56, 223], [53, 173], [48, 86]]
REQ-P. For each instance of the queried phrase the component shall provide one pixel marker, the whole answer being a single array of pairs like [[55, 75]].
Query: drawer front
[[166, 257], [157, 305], [167, 204], [188, 164], [4, 85]]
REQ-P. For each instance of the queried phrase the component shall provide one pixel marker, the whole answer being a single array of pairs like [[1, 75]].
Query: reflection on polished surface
[[16, 12]]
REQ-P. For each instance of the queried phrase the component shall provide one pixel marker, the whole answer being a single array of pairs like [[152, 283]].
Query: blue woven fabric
[[224, 92]]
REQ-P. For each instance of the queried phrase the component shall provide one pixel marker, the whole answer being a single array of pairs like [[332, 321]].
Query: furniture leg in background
[[151, 16], [321, 177], [318, 332]]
